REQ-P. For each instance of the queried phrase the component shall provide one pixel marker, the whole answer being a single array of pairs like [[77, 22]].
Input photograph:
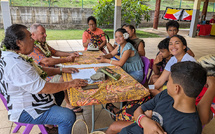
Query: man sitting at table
[[42, 55], [173, 110]]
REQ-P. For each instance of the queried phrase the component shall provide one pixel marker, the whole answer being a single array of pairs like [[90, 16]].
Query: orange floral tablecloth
[[88, 57], [125, 89]]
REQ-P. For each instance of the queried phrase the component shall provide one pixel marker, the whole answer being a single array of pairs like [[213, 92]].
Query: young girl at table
[[177, 47], [130, 60]]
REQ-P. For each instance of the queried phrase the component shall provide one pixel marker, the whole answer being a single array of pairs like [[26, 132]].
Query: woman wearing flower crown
[[29, 97], [130, 60]]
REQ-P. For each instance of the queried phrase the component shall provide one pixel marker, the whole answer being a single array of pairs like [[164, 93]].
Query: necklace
[[47, 51], [30, 60]]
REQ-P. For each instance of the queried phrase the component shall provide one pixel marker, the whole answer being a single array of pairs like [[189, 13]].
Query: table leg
[[93, 118], [121, 105]]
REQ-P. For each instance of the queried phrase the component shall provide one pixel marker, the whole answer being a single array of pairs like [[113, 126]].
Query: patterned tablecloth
[[88, 57], [125, 89]]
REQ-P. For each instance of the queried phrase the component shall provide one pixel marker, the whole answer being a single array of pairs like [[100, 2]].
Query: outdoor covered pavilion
[[195, 15]]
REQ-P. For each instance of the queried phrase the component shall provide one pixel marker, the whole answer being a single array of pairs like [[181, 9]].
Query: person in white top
[[28, 95], [177, 47]]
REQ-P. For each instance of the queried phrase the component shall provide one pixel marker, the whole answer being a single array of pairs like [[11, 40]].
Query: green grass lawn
[[77, 34]]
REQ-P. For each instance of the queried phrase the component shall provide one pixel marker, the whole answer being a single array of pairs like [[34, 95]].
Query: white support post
[[117, 15], [195, 17], [6, 14]]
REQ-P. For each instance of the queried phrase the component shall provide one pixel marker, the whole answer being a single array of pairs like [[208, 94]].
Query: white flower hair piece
[[126, 36]]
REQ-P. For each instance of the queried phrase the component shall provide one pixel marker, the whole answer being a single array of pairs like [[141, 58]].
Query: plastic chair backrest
[[150, 67], [146, 63], [18, 125]]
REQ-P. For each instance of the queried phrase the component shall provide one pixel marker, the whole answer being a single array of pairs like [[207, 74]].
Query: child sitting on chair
[[161, 59], [177, 47], [173, 110]]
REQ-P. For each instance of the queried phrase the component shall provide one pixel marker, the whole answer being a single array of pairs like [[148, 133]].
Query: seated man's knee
[[69, 117]]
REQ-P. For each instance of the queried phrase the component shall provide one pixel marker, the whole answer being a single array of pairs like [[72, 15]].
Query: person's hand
[[148, 113], [154, 92], [74, 54], [88, 41], [101, 59], [210, 81], [100, 47], [158, 59], [70, 70], [70, 58], [78, 83], [151, 127]]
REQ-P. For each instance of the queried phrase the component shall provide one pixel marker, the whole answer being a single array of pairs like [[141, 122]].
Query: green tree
[[132, 12]]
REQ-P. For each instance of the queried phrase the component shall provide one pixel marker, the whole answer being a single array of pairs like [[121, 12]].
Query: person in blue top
[[130, 60]]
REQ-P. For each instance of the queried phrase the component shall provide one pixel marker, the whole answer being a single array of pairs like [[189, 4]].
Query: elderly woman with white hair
[[29, 96]]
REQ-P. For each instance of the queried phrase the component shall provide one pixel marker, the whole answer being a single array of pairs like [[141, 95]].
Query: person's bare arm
[[204, 105], [54, 61], [53, 71], [162, 79], [66, 54], [86, 43], [122, 60], [110, 55], [102, 44], [141, 49], [158, 59], [190, 52], [159, 83], [51, 88], [149, 125], [110, 47]]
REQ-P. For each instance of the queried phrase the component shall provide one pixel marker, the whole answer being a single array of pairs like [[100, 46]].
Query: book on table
[[111, 73]]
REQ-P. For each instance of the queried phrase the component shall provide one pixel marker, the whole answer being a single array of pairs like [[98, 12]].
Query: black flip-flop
[[76, 108], [111, 107], [53, 130]]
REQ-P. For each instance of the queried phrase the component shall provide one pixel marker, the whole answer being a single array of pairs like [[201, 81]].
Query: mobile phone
[[91, 86], [98, 58]]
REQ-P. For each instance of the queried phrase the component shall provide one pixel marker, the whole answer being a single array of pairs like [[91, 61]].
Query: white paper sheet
[[88, 65], [84, 74]]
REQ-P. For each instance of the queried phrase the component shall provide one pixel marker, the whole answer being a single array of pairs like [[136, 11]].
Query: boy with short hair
[[172, 28], [173, 110], [161, 59]]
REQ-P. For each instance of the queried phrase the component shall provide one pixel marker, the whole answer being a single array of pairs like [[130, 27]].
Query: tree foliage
[[132, 11]]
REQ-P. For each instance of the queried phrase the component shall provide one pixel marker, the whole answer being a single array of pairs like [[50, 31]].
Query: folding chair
[[18, 125], [146, 63]]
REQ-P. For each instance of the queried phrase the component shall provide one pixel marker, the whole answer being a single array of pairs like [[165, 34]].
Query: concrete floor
[[200, 46]]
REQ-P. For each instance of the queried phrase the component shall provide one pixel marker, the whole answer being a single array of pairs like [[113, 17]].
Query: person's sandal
[[77, 110], [110, 107], [53, 130]]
